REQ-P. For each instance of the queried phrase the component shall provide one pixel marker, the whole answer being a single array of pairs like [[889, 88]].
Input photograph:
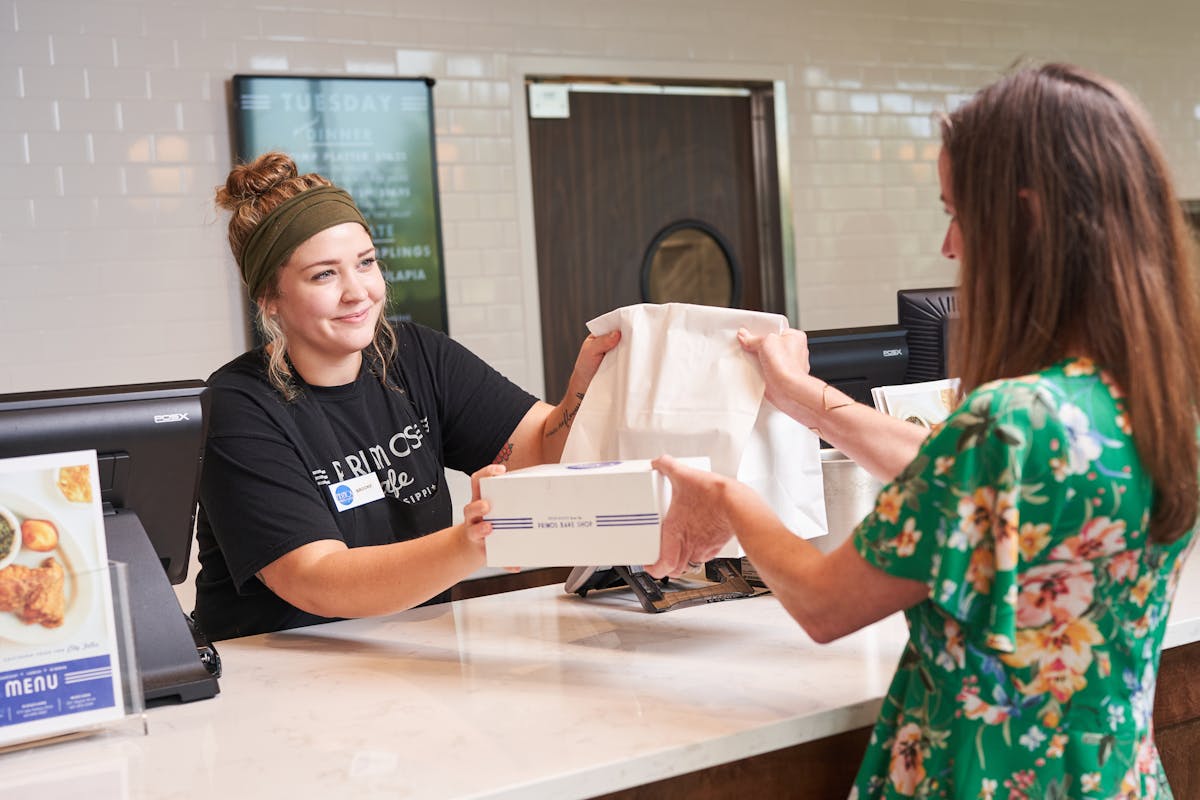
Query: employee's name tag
[[357, 491]]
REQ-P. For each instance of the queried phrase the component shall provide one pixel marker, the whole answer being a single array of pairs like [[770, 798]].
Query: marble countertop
[[530, 694]]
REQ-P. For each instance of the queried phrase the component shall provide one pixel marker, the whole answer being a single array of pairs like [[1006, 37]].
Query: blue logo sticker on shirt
[[356, 491]]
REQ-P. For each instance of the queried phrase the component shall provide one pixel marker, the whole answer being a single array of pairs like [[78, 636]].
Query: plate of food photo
[[46, 591]]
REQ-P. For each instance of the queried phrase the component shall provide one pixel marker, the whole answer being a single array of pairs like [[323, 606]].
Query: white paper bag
[[680, 383]]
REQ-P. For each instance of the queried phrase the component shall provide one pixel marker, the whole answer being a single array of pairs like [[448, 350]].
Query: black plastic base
[[167, 656], [652, 593]]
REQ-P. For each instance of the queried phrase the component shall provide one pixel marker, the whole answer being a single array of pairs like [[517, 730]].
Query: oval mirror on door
[[689, 262]]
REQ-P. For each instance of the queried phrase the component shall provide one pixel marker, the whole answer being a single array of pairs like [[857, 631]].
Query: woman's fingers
[[489, 471]]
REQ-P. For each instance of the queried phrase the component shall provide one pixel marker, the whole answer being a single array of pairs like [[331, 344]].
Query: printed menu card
[[59, 668], [925, 404]]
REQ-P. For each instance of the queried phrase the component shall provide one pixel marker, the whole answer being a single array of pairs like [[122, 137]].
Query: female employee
[[1034, 540], [323, 490]]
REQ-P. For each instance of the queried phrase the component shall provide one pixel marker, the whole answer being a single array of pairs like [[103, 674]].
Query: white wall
[[114, 129]]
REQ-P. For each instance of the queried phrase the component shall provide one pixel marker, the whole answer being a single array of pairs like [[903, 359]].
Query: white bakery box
[[596, 513]]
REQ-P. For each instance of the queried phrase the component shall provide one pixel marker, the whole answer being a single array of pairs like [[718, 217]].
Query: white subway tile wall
[[114, 129]]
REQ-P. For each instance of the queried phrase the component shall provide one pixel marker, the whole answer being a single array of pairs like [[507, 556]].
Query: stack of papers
[[925, 404]]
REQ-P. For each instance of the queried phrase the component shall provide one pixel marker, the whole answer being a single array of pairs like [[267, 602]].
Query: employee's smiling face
[[328, 299]]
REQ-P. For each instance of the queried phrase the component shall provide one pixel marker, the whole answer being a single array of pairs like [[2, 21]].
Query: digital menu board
[[374, 138]]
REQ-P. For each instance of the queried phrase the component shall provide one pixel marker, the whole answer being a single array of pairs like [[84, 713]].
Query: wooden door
[[619, 175]]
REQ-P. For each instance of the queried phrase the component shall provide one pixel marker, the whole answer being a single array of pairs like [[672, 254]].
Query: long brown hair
[[250, 193], [1074, 243]]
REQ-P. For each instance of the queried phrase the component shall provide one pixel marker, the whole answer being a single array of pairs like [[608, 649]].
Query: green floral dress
[[1030, 670]]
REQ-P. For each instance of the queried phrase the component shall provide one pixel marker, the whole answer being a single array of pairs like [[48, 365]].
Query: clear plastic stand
[[134, 721], [131, 676]]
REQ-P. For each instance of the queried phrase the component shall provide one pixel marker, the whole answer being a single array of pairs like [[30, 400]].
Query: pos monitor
[[149, 440], [929, 316], [856, 360]]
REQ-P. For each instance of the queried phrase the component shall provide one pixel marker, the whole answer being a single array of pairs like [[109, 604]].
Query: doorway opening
[[653, 191]]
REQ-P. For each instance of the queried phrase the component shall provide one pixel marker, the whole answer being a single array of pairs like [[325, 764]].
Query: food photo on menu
[[59, 669]]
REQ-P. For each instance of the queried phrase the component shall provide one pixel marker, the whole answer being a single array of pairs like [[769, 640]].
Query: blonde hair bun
[[248, 182]]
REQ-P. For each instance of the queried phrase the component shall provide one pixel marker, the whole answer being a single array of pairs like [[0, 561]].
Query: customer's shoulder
[[1064, 398]]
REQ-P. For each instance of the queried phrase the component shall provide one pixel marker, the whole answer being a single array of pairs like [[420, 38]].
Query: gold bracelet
[[847, 401]]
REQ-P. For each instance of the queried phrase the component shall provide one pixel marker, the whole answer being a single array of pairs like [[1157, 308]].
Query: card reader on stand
[[653, 594]]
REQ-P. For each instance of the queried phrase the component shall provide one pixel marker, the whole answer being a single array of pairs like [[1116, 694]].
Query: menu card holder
[[134, 720], [131, 684]]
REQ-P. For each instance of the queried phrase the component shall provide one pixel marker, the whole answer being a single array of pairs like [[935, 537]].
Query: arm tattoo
[[568, 417], [504, 455]]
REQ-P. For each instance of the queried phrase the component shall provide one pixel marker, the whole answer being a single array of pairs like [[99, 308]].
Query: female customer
[[323, 491], [1034, 540]]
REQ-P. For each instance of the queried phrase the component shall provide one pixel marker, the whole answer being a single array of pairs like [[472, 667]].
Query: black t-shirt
[[271, 467]]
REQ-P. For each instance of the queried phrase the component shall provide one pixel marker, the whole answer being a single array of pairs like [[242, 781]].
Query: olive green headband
[[288, 226]]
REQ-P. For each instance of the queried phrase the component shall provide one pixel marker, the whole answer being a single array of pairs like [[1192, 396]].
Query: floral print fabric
[[1030, 670]]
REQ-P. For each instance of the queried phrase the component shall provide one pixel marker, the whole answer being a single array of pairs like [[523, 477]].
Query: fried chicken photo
[[34, 594]]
